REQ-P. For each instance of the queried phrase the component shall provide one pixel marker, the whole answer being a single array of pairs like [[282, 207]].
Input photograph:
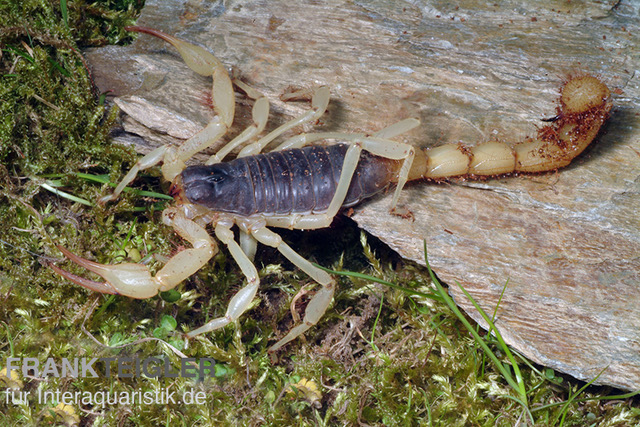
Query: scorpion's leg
[[260, 115], [320, 301], [135, 280], [204, 63], [242, 299], [319, 103], [151, 159], [380, 147], [391, 131], [248, 244]]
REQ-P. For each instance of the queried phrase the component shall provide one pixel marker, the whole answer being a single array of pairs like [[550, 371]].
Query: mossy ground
[[379, 356]]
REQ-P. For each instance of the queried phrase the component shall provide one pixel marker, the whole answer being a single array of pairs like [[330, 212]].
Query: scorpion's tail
[[583, 108]]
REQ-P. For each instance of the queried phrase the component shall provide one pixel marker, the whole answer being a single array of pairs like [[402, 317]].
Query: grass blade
[[104, 179], [516, 384], [63, 194], [516, 370], [382, 282], [65, 13]]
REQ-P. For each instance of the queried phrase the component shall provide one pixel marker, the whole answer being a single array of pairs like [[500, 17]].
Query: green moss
[[379, 356]]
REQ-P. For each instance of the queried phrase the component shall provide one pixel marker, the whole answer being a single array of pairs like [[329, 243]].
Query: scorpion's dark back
[[301, 180]]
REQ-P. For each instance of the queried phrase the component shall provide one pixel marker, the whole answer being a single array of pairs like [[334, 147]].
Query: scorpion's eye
[[215, 177]]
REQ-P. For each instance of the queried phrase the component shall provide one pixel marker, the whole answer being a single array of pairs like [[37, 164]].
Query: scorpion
[[299, 185]]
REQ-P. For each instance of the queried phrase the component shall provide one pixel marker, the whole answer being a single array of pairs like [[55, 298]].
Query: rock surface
[[567, 244]]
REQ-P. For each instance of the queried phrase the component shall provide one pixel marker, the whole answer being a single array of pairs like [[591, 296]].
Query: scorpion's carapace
[[303, 187]]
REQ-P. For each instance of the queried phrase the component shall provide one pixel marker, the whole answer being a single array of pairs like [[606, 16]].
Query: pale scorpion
[[298, 186]]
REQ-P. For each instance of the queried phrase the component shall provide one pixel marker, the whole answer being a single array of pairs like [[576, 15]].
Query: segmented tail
[[583, 108]]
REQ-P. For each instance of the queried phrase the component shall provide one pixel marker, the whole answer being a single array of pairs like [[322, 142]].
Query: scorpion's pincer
[[102, 287], [129, 279]]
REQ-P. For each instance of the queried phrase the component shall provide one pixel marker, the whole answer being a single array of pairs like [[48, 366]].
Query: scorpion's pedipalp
[[197, 58], [204, 63], [173, 159], [92, 285], [132, 280], [214, 130], [135, 280]]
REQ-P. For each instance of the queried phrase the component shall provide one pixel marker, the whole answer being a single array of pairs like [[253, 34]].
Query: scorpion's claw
[[197, 58], [133, 280], [102, 287], [204, 63]]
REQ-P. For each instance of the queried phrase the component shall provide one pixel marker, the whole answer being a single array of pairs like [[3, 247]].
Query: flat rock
[[566, 244]]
